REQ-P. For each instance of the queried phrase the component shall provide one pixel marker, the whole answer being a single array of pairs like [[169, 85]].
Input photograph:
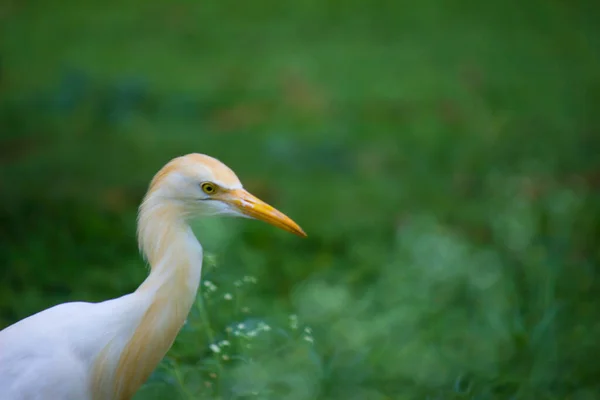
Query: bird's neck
[[162, 302]]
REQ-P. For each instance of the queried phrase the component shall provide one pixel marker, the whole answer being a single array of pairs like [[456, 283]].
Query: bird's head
[[199, 185]]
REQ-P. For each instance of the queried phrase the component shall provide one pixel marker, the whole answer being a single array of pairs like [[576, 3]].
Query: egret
[[107, 350]]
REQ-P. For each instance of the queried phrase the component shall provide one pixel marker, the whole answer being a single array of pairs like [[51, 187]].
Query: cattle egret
[[107, 350]]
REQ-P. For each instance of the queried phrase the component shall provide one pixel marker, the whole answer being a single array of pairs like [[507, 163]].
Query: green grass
[[442, 157]]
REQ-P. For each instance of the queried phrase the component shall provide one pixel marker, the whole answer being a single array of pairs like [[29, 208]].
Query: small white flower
[[308, 330], [250, 279], [237, 333], [252, 333], [309, 339], [263, 327], [215, 348], [228, 296], [241, 326], [224, 343], [210, 286]]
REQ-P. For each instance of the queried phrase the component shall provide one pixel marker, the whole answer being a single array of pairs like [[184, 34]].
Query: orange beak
[[253, 207]]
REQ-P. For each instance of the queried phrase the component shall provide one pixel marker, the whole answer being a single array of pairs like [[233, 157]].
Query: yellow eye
[[208, 188]]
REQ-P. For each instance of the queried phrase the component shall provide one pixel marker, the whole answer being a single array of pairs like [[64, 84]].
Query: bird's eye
[[208, 188]]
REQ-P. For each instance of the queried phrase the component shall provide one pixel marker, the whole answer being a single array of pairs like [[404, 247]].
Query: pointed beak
[[253, 207]]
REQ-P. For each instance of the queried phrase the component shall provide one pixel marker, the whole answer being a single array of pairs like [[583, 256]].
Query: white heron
[[107, 350]]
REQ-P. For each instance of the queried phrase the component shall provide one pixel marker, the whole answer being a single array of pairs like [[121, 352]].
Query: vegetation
[[441, 155]]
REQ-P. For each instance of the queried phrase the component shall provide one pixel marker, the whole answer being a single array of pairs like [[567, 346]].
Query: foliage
[[441, 156]]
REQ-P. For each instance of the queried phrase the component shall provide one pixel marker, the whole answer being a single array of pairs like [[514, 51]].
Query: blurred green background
[[443, 157]]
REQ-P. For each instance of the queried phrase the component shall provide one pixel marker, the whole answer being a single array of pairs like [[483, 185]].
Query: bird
[[107, 350]]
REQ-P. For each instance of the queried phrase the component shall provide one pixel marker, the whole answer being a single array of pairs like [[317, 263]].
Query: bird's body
[[107, 350]]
